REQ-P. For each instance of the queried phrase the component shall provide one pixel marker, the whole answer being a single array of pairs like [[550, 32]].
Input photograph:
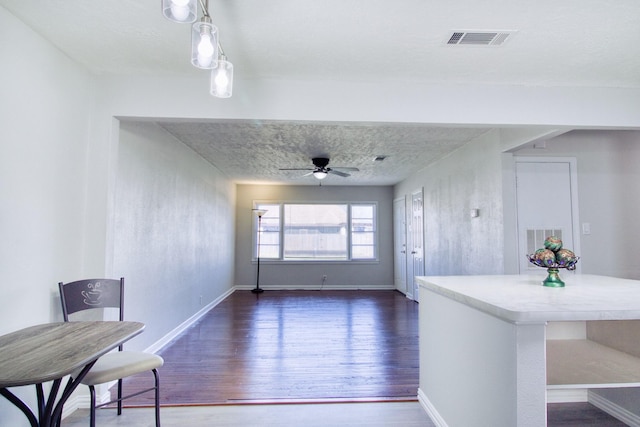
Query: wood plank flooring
[[294, 346]]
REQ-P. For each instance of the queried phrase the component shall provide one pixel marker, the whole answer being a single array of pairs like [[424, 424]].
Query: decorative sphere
[[545, 257], [553, 243], [565, 257]]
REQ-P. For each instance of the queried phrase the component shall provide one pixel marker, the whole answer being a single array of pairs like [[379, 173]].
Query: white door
[[546, 195], [416, 236], [400, 245]]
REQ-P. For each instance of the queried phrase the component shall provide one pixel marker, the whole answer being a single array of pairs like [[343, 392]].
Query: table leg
[[72, 384], [21, 405], [49, 412]]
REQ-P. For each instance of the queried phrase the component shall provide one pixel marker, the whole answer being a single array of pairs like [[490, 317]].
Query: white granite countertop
[[523, 299]]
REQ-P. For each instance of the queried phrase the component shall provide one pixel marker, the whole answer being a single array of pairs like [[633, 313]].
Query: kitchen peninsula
[[484, 357]]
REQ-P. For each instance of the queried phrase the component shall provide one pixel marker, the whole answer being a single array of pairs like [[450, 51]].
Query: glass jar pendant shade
[[182, 11], [204, 44], [222, 79]]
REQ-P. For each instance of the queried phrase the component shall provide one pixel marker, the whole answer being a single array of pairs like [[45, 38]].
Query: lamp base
[[257, 290]]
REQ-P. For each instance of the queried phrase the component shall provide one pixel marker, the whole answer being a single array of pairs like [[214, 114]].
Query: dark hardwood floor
[[306, 346], [294, 346]]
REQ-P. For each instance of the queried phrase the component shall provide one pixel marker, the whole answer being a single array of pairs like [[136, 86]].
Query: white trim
[[567, 395], [431, 411], [614, 409], [73, 403], [349, 233], [389, 287], [158, 345], [81, 399]]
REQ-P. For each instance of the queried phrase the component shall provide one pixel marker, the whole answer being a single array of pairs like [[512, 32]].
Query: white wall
[[608, 164], [470, 178], [173, 234], [302, 275], [45, 102]]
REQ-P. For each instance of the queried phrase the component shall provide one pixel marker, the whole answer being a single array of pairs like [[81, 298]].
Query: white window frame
[[281, 259]]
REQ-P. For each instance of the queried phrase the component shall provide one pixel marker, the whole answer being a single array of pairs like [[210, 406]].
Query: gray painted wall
[[305, 275], [173, 233], [470, 178]]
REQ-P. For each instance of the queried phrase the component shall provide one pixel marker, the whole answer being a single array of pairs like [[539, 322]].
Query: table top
[[49, 351], [523, 299]]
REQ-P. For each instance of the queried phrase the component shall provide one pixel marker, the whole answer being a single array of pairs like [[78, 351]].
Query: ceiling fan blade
[[335, 172], [347, 169], [307, 174], [296, 169]]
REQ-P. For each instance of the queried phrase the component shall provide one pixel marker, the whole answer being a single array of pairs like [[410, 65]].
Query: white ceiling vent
[[479, 38]]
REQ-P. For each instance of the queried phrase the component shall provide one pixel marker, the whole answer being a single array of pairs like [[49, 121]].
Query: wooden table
[[49, 352], [484, 356]]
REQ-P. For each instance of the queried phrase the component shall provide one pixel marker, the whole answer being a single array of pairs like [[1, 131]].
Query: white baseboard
[[158, 345], [431, 411], [572, 395], [614, 410], [81, 399], [316, 288], [73, 403]]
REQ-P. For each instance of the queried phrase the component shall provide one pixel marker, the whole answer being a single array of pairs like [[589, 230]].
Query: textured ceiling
[[593, 43], [250, 151]]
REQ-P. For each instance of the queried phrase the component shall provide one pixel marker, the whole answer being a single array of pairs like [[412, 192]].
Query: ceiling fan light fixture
[[180, 11], [320, 175]]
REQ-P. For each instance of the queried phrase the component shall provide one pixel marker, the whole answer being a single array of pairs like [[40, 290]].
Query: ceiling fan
[[320, 169]]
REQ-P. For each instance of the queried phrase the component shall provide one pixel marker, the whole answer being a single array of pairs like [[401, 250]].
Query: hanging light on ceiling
[[222, 77], [206, 51], [204, 44], [180, 10]]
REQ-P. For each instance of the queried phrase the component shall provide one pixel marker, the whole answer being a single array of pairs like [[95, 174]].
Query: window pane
[[363, 231], [315, 232], [270, 232], [363, 252]]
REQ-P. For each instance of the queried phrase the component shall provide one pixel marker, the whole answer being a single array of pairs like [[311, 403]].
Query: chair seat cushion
[[121, 364]]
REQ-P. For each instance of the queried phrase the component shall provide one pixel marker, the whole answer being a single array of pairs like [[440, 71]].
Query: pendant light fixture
[[222, 78], [206, 51], [180, 10], [204, 44]]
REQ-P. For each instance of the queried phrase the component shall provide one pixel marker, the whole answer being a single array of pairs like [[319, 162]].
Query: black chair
[[98, 294]]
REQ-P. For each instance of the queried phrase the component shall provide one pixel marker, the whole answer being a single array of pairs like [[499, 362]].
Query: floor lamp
[[258, 213]]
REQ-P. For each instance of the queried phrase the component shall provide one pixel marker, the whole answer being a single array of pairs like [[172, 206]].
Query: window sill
[[316, 262]]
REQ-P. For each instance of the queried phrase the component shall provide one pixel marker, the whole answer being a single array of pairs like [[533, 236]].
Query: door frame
[[402, 232], [573, 177], [414, 294]]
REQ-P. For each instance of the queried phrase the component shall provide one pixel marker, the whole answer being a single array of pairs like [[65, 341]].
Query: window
[[269, 232], [363, 232], [316, 231]]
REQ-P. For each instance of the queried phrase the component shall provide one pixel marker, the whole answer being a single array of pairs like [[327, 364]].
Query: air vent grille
[[479, 38]]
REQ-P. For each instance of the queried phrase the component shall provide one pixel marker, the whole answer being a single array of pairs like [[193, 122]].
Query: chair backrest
[[90, 294]]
